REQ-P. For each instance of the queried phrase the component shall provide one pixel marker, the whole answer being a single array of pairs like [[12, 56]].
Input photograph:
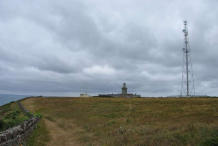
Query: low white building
[[84, 95]]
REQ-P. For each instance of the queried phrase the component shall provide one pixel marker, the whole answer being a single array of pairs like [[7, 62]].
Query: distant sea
[[7, 98]]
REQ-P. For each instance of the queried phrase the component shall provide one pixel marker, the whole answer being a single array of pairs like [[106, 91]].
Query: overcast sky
[[64, 47]]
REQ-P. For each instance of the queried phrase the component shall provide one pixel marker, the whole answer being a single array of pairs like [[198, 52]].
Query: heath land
[[125, 121]]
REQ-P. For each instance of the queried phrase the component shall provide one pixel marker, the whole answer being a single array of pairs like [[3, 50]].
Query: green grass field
[[120, 121], [11, 115]]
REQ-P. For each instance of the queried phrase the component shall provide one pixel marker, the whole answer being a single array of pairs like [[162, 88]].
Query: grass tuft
[[40, 135]]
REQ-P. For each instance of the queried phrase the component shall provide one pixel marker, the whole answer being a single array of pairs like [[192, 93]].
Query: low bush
[[212, 140], [11, 116]]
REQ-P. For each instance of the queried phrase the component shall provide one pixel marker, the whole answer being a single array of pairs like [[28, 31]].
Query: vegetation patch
[[11, 115], [212, 139], [40, 135]]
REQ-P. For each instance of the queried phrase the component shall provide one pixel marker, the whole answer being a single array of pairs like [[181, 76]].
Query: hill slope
[[119, 121], [10, 116]]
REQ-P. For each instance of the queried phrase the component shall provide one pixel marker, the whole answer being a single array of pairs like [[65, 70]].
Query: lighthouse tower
[[124, 89]]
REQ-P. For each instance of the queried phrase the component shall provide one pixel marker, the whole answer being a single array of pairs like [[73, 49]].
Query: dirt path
[[61, 132], [60, 136]]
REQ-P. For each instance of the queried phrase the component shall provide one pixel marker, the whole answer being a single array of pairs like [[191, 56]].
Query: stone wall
[[17, 135], [24, 110]]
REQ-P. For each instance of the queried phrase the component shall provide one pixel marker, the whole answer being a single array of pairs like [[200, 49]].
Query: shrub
[[1, 124], [38, 115], [212, 140]]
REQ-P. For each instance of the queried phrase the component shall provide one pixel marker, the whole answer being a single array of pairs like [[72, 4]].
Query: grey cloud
[[53, 47]]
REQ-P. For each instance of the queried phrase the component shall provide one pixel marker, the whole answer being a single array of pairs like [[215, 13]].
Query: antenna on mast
[[187, 88]]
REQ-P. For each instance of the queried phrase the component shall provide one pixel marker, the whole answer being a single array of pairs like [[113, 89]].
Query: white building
[[84, 95]]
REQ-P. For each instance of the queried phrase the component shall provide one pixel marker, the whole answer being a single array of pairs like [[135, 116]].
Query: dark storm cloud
[[67, 47]]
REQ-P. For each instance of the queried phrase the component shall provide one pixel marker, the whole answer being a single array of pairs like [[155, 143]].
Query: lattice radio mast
[[187, 88]]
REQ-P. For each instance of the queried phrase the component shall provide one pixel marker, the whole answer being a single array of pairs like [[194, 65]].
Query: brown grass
[[120, 121], [61, 135]]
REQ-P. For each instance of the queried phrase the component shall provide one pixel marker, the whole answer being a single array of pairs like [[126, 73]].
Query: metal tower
[[187, 88]]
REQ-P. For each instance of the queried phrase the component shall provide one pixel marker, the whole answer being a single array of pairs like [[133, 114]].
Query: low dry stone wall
[[24, 110], [16, 136]]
